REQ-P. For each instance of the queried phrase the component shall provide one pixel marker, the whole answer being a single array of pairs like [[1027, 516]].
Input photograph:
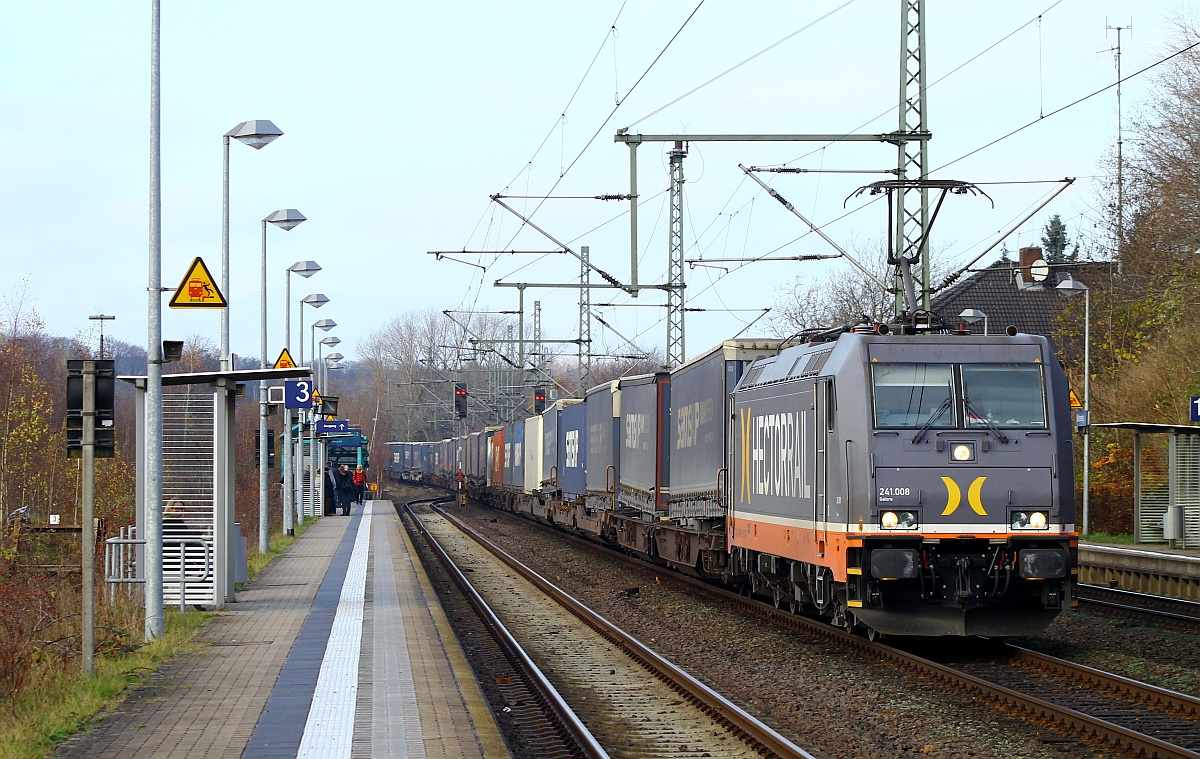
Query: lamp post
[[329, 342], [286, 219], [335, 357], [1071, 286], [972, 315], [324, 325], [257, 134], [316, 300], [305, 269]]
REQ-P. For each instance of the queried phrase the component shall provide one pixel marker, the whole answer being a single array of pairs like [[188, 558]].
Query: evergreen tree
[[1055, 241]]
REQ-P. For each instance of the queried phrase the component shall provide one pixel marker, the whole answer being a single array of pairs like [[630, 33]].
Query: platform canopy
[[210, 378]]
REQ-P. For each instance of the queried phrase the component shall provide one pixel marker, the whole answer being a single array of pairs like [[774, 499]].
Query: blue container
[[571, 445], [603, 405], [514, 455], [645, 406]]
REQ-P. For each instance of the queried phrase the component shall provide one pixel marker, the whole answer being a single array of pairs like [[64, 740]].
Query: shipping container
[[533, 455], [603, 405], [551, 451], [644, 442], [571, 444], [514, 455], [699, 429], [496, 459]]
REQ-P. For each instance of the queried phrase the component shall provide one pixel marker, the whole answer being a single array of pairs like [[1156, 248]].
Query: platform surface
[[338, 649]]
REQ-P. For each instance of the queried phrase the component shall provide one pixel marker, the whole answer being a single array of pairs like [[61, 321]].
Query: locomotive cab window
[[910, 396], [1004, 395]]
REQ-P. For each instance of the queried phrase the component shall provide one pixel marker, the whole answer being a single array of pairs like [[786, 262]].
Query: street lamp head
[[324, 324], [305, 268], [1071, 286], [331, 341], [101, 318], [335, 357], [257, 134], [972, 315], [316, 300], [286, 218]]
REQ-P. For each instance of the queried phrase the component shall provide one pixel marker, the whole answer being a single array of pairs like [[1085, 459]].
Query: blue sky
[[401, 119]]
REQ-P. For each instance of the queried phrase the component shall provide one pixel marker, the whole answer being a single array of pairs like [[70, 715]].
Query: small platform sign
[[297, 393], [1081, 419], [285, 360], [197, 290], [337, 425], [1194, 407]]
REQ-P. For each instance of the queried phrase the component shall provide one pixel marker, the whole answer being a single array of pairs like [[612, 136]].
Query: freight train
[[902, 484]]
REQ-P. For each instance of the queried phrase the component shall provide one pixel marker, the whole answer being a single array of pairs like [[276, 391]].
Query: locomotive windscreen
[[1004, 395], [913, 395]]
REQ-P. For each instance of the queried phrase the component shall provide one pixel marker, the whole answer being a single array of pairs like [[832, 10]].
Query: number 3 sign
[[298, 394]]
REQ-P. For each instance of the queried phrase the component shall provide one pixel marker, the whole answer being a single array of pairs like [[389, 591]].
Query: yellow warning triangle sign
[[285, 360], [1075, 400], [198, 290]]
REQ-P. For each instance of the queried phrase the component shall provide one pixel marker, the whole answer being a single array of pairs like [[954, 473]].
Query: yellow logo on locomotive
[[954, 496]]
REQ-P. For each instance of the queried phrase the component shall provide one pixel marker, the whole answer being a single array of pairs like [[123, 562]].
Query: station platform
[[338, 649], [1142, 568]]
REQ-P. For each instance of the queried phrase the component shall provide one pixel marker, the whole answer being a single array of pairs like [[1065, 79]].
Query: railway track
[[1140, 604], [596, 667], [1135, 717]]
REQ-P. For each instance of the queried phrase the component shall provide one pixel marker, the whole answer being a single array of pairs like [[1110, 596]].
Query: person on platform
[[360, 483], [331, 490], [345, 488]]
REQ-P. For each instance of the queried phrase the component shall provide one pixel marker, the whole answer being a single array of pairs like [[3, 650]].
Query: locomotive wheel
[[848, 621]]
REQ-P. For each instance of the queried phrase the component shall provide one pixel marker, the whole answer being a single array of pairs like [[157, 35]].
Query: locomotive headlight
[[901, 520], [962, 452], [1029, 520]]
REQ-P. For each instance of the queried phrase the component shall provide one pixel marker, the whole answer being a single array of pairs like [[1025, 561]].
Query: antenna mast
[[1120, 140]]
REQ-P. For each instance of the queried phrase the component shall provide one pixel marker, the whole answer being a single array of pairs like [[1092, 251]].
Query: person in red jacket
[[360, 483]]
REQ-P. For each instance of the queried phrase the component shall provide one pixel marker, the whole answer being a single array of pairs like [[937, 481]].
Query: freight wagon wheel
[[874, 635]]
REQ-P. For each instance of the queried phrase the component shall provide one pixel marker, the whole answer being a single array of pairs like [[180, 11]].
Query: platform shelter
[[1166, 483], [198, 481]]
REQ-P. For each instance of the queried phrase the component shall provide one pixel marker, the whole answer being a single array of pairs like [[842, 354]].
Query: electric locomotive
[[917, 484]]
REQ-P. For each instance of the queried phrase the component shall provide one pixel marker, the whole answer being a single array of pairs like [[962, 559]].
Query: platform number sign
[[298, 394], [1194, 407]]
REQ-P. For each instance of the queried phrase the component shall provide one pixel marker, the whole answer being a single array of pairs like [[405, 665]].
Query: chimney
[[1026, 258]]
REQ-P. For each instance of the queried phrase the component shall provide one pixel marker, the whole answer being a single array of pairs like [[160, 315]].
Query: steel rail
[[721, 708], [554, 703], [1176, 609], [1064, 717]]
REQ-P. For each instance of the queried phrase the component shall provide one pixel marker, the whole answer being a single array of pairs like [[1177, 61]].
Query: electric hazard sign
[[198, 290]]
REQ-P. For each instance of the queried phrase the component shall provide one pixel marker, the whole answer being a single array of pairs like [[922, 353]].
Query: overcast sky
[[401, 119]]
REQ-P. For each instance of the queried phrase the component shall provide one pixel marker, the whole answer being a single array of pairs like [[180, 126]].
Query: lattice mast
[[675, 284], [912, 205]]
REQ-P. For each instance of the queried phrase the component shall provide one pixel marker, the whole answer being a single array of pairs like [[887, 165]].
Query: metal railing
[[120, 562]]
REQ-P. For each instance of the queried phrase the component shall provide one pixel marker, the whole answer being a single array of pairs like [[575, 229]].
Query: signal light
[[539, 400], [460, 400]]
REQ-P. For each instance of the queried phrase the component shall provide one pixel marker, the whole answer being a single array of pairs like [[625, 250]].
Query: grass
[[59, 704], [1104, 537]]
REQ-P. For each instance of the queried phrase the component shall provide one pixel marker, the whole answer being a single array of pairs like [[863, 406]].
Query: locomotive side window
[[1004, 395], [910, 396]]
